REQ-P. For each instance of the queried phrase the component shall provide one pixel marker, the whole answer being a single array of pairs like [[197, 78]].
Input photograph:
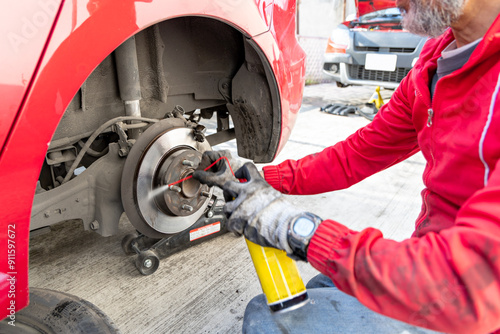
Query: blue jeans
[[328, 311]]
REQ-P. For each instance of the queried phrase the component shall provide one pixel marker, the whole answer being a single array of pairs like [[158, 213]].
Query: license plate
[[381, 62]]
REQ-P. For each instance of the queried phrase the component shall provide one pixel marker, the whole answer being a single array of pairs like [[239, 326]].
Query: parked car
[[372, 49], [103, 102]]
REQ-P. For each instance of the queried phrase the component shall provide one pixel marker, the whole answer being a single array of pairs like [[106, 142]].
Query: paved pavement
[[205, 289]]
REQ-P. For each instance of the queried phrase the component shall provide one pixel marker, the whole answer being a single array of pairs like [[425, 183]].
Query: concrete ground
[[205, 289]]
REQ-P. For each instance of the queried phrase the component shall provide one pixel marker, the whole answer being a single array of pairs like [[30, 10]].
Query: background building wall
[[316, 20]]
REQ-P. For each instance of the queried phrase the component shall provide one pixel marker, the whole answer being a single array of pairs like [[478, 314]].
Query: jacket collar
[[424, 70]]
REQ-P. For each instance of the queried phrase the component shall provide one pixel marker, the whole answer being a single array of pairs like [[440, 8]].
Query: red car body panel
[[26, 34], [368, 6], [50, 67]]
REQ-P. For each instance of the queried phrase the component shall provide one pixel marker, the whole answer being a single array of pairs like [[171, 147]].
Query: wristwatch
[[300, 232]]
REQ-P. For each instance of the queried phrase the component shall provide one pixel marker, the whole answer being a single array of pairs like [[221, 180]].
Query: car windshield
[[390, 14]]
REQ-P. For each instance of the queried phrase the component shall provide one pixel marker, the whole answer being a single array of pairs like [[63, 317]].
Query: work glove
[[220, 172], [258, 211]]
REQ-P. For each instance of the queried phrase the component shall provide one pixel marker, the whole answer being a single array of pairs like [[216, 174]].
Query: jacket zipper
[[430, 114], [425, 210], [430, 117]]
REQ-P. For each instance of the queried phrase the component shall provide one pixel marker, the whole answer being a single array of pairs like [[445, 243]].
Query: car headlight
[[339, 40]]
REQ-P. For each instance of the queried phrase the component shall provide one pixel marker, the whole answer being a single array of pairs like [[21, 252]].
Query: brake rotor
[[155, 202]]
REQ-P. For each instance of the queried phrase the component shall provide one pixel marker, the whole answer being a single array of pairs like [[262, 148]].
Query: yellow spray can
[[279, 278]]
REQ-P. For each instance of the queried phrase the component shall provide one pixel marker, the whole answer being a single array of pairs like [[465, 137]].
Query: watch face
[[303, 226]]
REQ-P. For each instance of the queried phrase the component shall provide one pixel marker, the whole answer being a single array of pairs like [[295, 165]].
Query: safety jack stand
[[149, 250], [373, 105], [376, 98]]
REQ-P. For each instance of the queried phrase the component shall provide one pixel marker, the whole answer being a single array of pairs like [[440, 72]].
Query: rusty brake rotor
[[165, 153]]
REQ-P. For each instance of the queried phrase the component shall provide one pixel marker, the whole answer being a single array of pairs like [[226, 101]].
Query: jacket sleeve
[[447, 281], [390, 138]]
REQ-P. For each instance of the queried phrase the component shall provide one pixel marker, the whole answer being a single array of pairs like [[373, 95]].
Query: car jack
[[149, 250]]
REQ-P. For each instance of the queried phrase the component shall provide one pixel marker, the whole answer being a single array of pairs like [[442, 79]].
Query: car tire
[[57, 312], [341, 85]]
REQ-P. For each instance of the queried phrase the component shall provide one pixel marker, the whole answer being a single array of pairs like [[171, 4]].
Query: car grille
[[367, 48], [401, 50], [378, 49], [359, 72]]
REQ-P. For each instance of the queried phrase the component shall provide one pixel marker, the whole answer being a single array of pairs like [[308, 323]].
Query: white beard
[[432, 18]]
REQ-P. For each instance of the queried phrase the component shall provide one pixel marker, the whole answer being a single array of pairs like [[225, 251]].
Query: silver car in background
[[372, 50]]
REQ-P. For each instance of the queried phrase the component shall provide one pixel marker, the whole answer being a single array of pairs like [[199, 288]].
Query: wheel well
[[198, 63], [188, 68]]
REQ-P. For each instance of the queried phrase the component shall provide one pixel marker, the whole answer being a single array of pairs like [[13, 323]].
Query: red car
[[103, 102]]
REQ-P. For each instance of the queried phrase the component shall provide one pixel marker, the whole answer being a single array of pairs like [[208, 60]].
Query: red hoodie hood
[[368, 6]]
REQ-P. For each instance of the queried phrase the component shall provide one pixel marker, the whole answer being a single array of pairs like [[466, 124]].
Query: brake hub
[[180, 199]]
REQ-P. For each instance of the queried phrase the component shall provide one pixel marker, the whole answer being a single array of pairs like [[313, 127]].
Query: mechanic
[[446, 277]]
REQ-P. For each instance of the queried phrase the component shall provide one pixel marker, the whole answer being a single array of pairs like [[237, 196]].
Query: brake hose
[[97, 133]]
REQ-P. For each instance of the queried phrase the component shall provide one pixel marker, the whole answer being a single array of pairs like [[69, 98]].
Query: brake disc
[[165, 153]]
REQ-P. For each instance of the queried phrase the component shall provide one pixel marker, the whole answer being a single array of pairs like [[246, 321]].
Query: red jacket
[[447, 276]]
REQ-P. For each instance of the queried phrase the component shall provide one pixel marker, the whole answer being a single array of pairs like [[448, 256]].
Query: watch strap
[[299, 244]]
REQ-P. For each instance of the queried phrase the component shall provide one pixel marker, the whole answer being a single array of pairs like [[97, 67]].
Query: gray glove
[[220, 172], [258, 211]]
